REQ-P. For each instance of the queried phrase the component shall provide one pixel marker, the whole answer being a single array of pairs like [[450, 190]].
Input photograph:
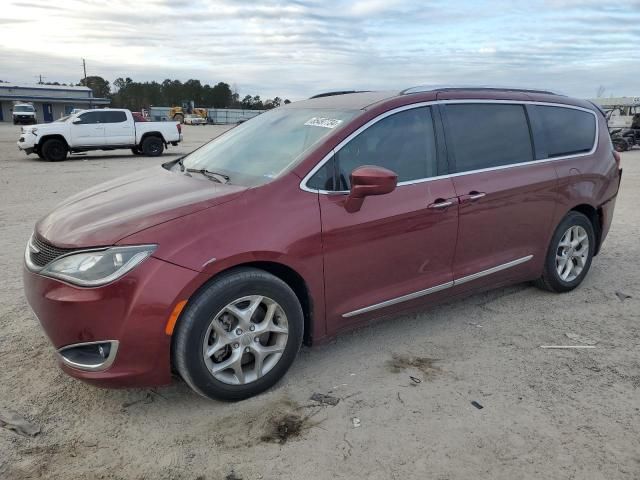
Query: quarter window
[[487, 135], [403, 143], [566, 131]]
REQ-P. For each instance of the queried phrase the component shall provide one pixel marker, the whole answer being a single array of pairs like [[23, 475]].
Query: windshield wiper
[[209, 174]]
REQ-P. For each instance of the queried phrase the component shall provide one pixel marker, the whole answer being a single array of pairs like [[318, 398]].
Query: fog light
[[90, 356]]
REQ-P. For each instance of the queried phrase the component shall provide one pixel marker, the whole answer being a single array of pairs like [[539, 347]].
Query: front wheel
[[54, 150], [239, 335], [570, 253]]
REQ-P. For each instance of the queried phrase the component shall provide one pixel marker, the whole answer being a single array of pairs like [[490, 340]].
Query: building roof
[[69, 88], [39, 98]]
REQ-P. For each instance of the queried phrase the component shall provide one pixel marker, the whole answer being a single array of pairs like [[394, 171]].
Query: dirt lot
[[547, 413]]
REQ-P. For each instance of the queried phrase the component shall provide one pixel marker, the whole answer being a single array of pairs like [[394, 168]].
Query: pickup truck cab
[[104, 129]]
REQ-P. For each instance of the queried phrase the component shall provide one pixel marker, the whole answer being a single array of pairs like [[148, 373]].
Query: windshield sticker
[[323, 122]]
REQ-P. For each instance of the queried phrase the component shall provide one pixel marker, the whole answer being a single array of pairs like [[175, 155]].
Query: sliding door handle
[[476, 195]]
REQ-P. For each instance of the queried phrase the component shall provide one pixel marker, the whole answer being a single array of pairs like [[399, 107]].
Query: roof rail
[[339, 92], [433, 88]]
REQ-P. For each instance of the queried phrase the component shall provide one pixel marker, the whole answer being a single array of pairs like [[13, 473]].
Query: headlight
[[97, 267]]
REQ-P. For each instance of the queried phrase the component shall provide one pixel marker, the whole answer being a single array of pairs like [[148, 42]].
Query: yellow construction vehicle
[[177, 113]]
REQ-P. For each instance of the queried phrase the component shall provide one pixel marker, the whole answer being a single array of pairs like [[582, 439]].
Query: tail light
[[179, 127]]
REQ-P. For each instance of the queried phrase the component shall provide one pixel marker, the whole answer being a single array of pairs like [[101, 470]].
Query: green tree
[[98, 85]]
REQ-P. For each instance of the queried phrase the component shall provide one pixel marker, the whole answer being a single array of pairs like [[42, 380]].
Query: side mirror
[[369, 180], [77, 120]]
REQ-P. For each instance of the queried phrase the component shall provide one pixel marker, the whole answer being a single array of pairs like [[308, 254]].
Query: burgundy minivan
[[314, 218]]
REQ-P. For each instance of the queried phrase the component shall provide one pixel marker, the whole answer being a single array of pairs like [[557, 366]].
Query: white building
[[51, 101]]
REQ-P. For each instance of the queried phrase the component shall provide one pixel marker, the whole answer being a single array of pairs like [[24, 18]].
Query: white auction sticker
[[323, 122]]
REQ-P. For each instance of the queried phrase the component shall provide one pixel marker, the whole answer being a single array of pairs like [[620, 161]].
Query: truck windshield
[[23, 108], [268, 145]]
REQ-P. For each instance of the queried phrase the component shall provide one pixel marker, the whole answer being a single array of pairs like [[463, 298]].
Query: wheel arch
[[153, 134], [289, 276], [55, 136], [595, 217]]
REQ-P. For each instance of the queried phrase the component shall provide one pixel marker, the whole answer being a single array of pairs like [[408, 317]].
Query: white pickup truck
[[104, 129]]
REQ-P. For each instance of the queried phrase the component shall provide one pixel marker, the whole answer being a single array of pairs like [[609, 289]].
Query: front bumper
[[26, 143], [132, 311]]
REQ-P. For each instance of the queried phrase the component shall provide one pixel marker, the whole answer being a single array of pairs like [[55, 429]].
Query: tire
[[244, 287], [620, 145], [152, 146], [572, 227], [39, 153], [136, 151], [54, 150]]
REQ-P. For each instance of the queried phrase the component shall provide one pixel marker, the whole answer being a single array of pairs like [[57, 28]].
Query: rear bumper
[[606, 210], [132, 311]]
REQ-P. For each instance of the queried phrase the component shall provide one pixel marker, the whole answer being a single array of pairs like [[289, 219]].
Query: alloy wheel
[[245, 340], [572, 253]]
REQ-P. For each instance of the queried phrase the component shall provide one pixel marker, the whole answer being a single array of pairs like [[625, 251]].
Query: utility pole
[[40, 82], [84, 68]]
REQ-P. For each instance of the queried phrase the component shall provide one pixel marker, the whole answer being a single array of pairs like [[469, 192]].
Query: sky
[[299, 48]]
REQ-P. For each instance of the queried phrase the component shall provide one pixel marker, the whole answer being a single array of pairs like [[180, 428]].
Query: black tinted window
[[487, 135], [90, 117], [113, 117], [403, 142], [566, 131]]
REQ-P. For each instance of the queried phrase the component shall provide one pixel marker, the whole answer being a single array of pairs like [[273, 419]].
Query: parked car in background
[[139, 117], [312, 219], [24, 113], [191, 119], [103, 129]]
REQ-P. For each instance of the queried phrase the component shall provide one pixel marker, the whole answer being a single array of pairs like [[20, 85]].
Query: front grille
[[46, 253]]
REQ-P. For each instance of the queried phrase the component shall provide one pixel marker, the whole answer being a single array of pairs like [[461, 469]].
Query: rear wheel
[[239, 336], [54, 150], [152, 146], [570, 254]]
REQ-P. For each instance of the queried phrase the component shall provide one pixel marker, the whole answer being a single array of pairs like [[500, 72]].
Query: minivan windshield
[[23, 108], [268, 145]]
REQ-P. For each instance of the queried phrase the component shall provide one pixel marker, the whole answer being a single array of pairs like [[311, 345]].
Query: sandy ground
[[547, 413]]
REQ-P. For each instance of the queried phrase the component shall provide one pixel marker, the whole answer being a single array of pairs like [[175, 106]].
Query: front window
[[23, 108], [268, 145]]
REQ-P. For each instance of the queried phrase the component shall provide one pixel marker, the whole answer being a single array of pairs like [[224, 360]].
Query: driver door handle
[[440, 203]]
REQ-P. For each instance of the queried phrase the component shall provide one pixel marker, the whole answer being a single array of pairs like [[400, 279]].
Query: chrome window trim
[[90, 368], [327, 157], [438, 288]]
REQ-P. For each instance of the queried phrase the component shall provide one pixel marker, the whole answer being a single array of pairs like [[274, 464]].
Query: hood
[[111, 211]]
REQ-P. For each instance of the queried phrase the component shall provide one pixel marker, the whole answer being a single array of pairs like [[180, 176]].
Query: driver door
[[88, 130], [398, 248]]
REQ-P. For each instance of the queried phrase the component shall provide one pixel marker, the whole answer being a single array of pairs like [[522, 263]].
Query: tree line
[[127, 93]]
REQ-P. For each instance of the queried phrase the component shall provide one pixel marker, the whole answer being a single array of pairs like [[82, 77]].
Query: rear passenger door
[[506, 199], [118, 129]]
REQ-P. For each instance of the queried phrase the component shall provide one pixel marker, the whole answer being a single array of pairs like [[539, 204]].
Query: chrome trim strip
[[90, 368], [404, 298], [325, 159], [437, 288], [489, 271]]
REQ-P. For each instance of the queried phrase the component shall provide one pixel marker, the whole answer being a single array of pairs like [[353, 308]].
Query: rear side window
[[487, 135], [113, 117], [566, 131], [403, 143]]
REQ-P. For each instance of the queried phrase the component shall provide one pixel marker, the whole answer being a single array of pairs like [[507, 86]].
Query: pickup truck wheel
[[152, 146], [136, 151], [54, 150]]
